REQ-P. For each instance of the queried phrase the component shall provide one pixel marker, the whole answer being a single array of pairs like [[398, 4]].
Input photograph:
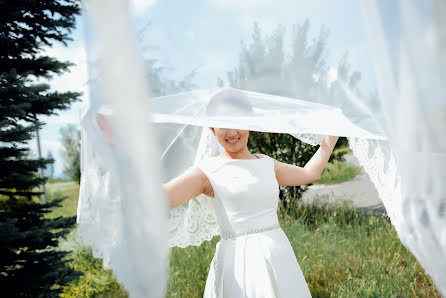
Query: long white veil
[[183, 120], [123, 212]]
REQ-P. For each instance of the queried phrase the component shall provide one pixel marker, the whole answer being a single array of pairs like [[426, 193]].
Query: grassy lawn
[[360, 258], [337, 172], [96, 281], [342, 253], [67, 189]]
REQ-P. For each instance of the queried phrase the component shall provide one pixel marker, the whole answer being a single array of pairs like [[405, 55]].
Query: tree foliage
[[26, 27], [30, 265], [160, 84], [299, 71]]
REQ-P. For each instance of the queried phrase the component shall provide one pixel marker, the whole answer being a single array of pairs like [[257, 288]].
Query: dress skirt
[[255, 265]]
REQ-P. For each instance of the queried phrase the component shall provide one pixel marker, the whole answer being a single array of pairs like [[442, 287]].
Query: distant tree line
[[300, 71]]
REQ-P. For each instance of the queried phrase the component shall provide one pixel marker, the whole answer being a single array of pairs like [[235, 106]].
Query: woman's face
[[232, 140]]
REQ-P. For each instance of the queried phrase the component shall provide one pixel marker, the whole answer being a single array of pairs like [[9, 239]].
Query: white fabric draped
[[121, 213], [413, 99], [122, 210]]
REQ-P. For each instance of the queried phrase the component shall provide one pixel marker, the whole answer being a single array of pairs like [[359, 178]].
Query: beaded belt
[[250, 232]]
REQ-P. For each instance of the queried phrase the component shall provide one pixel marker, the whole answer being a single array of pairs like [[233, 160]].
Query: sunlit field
[[342, 252]]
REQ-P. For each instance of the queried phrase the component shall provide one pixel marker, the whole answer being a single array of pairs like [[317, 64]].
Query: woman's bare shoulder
[[200, 173]]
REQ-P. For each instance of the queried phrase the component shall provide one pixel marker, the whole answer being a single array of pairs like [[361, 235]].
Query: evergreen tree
[[29, 264], [26, 27], [266, 65]]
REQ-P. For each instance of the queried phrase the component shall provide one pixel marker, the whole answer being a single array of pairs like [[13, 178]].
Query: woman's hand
[[319, 160], [106, 128]]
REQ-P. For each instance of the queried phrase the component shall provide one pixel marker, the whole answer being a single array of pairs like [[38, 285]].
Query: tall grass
[[343, 252]]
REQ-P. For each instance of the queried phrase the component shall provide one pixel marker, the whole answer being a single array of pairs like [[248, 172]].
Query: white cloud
[[76, 77], [52, 146], [243, 5], [64, 118], [332, 75], [138, 7]]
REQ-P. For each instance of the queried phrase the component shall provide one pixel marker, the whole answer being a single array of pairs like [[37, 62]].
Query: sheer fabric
[[410, 169], [183, 121], [122, 211]]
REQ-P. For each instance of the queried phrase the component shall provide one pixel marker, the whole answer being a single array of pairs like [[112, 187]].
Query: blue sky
[[206, 35], [191, 34]]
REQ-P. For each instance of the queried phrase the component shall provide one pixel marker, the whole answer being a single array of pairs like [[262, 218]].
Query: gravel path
[[360, 191]]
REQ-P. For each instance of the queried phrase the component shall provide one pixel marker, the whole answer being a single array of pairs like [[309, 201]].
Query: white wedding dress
[[254, 257]]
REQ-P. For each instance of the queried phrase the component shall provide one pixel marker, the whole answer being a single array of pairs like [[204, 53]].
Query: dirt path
[[360, 191]]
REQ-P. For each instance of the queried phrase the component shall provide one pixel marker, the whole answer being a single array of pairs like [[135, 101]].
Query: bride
[[254, 257]]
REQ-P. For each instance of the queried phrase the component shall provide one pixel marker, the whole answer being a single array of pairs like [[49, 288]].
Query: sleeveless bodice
[[259, 264], [246, 192]]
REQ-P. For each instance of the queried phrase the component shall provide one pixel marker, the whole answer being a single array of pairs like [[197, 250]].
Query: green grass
[[346, 254], [96, 281], [67, 189], [338, 172], [342, 253], [55, 180]]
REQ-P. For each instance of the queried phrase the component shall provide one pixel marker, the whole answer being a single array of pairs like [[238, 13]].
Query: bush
[[96, 281]]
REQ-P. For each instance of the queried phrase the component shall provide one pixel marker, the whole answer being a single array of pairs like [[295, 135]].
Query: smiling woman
[[254, 255], [233, 141], [235, 103]]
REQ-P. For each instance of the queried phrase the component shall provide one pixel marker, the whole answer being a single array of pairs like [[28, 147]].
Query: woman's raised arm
[[179, 190], [190, 184], [291, 175]]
